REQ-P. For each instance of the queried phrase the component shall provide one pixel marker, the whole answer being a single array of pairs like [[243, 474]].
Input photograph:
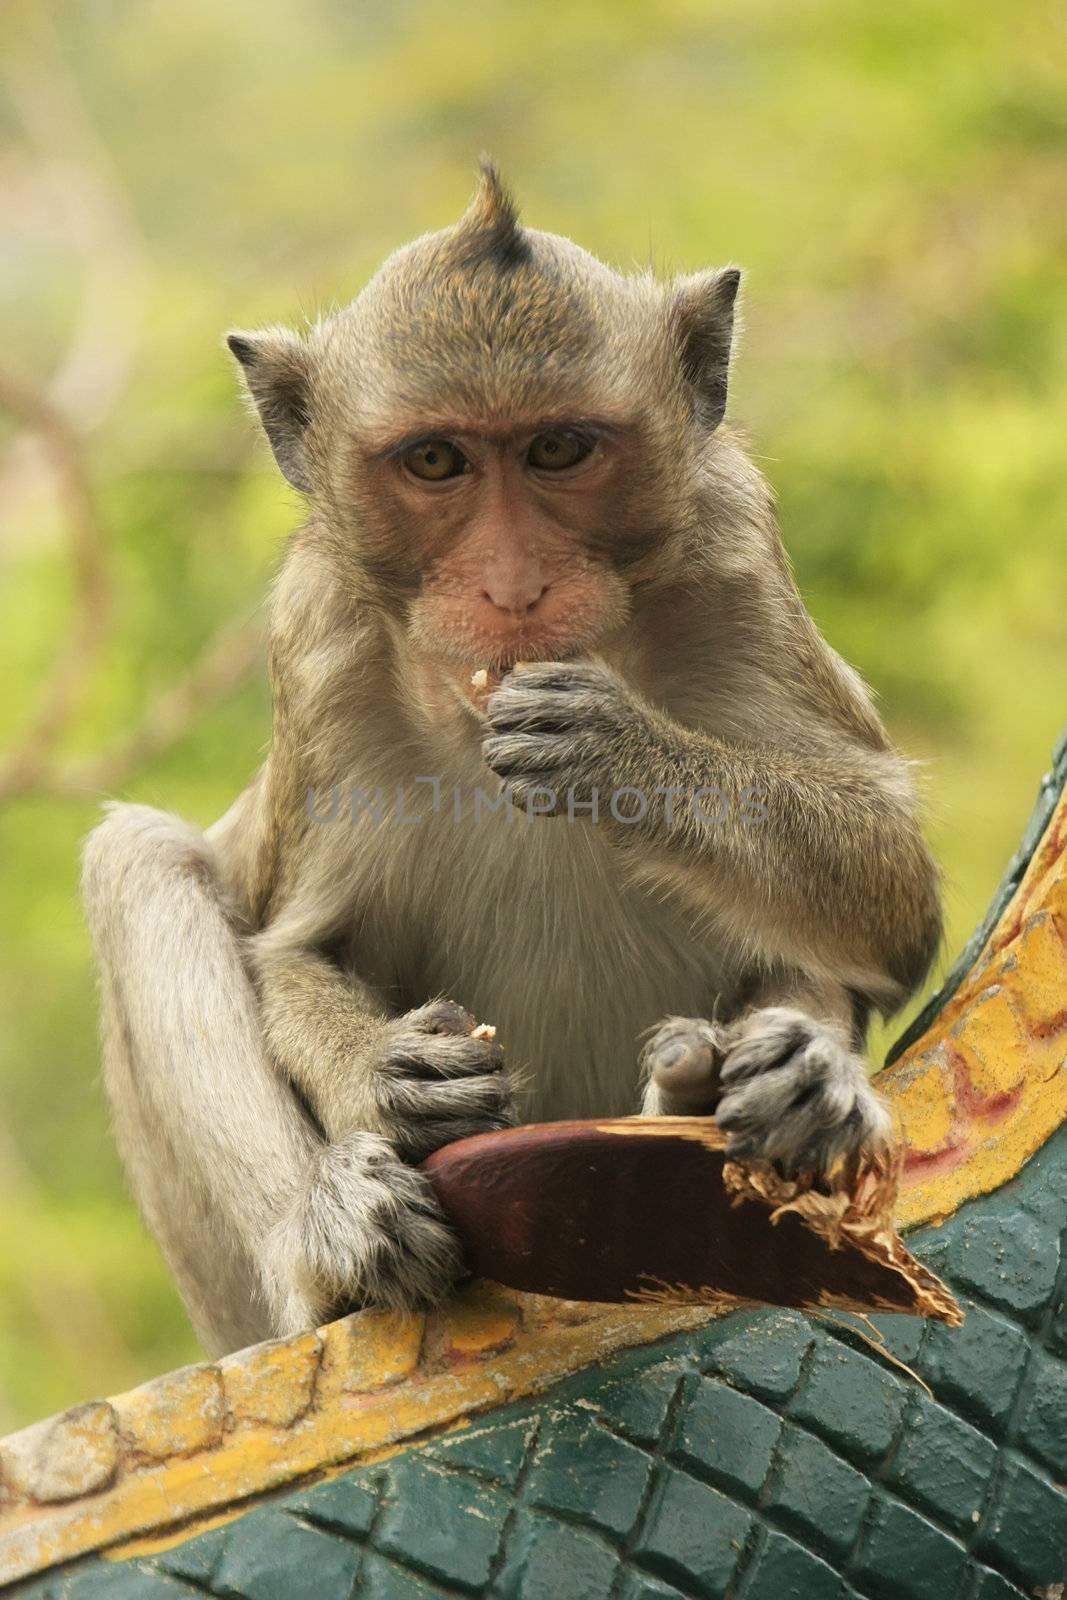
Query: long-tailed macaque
[[671, 848]]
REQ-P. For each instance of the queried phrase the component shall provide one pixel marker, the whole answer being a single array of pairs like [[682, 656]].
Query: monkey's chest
[[536, 926]]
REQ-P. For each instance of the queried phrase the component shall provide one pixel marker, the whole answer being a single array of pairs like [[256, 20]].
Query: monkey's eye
[[551, 452], [434, 460]]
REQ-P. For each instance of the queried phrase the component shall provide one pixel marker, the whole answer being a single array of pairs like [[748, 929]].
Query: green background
[[893, 181]]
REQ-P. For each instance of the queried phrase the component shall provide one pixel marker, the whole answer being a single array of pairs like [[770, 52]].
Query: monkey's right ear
[[702, 310], [276, 368]]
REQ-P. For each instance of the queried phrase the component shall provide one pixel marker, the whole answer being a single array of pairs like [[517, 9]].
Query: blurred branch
[[226, 660]]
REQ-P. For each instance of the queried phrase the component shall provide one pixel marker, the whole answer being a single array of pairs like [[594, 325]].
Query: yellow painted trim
[[986, 1086], [372, 1392]]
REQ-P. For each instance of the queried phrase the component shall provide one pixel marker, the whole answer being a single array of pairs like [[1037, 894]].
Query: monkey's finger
[[442, 1056], [820, 1074], [488, 1096], [804, 1142], [421, 1139], [780, 1096], [533, 757], [439, 1016], [560, 676], [371, 1231], [552, 708], [773, 1036], [682, 1059], [795, 1144], [542, 712], [806, 1113]]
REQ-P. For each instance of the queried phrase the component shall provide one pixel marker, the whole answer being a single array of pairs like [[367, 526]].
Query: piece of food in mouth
[[486, 679], [650, 1211], [482, 684], [484, 1030]]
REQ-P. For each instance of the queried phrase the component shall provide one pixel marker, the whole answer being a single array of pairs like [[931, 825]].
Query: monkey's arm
[[319, 1025], [805, 849]]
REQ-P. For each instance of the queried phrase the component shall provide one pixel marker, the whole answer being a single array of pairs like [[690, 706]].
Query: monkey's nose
[[515, 602]]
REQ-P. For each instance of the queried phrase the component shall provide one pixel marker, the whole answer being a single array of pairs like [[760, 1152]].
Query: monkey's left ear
[[276, 368], [702, 311]]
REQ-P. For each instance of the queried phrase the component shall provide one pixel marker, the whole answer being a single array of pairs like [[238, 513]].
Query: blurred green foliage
[[892, 178]]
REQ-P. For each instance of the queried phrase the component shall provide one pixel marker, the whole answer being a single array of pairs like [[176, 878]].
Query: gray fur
[[793, 1092]]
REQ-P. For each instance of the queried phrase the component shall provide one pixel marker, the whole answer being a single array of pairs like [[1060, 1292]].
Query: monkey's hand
[[569, 727], [433, 1082], [794, 1093], [366, 1230]]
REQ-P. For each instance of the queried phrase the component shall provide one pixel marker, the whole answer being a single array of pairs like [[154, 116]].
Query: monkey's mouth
[[485, 680], [502, 663]]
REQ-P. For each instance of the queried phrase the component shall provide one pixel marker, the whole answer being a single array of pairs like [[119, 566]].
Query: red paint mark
[[975, 1116], [1057, 830], [974, 1107], [920, 1164], [453, 1358]]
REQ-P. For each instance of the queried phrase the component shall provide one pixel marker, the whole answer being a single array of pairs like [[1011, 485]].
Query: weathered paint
[[369, 1392]]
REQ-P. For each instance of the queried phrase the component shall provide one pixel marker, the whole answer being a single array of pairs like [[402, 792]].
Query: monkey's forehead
[[559, 329]]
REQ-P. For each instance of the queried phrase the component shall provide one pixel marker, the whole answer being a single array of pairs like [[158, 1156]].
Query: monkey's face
[[509, 540], [509, 448]]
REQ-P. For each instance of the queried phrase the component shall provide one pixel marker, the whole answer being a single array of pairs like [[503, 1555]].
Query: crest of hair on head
[[489, 229]]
